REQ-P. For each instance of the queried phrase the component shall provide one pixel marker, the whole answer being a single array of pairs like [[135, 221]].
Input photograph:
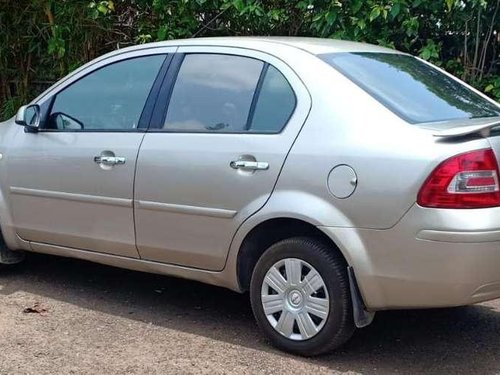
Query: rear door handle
[[109, 160], [249, 165]]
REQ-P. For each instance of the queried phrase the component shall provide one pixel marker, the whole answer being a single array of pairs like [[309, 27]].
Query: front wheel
[[9, 257], [300, 296]]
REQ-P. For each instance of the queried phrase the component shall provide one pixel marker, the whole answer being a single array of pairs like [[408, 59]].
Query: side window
[[111, 98], [275, 103], [213, 93]]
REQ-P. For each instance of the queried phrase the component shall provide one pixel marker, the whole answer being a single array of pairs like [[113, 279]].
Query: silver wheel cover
[[295, 299]]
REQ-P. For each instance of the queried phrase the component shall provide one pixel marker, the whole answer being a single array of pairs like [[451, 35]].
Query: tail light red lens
[[467, 180]]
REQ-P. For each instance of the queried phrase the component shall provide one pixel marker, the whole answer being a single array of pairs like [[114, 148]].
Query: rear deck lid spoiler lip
[[450, 129]]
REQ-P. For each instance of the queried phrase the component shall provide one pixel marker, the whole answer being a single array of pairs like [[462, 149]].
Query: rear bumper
[[431, 258]]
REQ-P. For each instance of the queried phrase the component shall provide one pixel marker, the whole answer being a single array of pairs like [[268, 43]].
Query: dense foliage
[[42, 40]]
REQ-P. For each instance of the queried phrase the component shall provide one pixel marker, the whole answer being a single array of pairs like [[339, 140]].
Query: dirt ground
[[102, 320]]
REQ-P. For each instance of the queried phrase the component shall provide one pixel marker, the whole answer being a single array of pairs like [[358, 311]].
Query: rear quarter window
[[275, 103], [412, 89]]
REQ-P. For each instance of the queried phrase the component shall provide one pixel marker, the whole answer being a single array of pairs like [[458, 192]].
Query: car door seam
[[277, 177]]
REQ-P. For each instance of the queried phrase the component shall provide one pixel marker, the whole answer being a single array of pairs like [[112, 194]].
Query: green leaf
[[374, 14], [425, 54], [331, 17], [489, 88], [356, 5], [239, 5], [275, 16], [102, 8], [318, 17], [396, 8], [162, 33]]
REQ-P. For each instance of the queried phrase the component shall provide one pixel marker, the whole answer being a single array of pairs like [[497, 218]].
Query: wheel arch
[[9, 238], [268, 232], [10, 243]]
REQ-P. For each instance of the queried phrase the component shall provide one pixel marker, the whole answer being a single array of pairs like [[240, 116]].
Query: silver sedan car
[[329, 179]]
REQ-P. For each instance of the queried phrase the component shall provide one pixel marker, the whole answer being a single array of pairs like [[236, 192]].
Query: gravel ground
[[102, 320]]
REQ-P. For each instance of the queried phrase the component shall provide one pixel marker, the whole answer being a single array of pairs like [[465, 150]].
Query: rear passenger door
[[222, 127]]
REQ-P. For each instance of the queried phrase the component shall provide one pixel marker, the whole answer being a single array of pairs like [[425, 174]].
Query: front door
[[71, 184], [216, 154]]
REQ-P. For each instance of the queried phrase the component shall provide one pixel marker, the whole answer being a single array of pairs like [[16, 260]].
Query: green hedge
[[43, 40]]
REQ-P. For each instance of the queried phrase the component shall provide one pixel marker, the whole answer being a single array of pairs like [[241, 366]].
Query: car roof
[[315, 46]]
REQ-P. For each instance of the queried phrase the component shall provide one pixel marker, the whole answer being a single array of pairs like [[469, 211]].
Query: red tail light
[[467, 180]]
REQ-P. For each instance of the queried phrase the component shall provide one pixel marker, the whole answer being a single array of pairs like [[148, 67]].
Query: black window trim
[[256, 96], [147, 110], [163, 100], [165, 93]]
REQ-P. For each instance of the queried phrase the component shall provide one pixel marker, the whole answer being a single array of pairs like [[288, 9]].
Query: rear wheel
[[300, 296]]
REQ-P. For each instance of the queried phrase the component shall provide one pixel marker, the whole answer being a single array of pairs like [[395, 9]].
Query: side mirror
[[64, 121], [29, 116]]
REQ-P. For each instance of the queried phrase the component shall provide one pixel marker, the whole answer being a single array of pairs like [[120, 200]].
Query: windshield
[[412, 89]]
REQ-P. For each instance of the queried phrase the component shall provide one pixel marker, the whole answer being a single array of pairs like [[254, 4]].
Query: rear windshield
[[412, 89]]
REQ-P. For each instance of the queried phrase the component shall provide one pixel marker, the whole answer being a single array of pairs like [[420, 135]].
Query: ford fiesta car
[[329, 179]]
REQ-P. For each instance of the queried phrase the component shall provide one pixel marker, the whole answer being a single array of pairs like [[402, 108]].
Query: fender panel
[[308, 208], [8, 132], [12, 240]]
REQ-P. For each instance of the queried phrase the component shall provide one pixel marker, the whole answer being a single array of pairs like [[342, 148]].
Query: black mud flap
[[362, 317]]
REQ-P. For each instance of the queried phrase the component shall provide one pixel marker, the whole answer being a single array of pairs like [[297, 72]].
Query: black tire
[[9, 258], [339, 325]]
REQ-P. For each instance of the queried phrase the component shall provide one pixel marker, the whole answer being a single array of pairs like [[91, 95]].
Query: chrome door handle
[[249, 165], [109, 160]]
